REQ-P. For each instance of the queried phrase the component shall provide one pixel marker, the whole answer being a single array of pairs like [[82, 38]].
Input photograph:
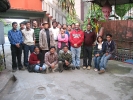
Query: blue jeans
[[27, 48], [97, 61], [76, 56], [104, 61], [37, 68]]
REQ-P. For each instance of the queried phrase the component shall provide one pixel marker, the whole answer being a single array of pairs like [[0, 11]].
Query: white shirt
[[55, 31], [28, 36], [100, 46]]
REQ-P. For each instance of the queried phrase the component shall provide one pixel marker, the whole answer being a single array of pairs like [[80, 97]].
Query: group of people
[[58, 48]]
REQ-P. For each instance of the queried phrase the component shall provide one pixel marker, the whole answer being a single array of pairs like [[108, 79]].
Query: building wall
[[33, 5], [78, 8]]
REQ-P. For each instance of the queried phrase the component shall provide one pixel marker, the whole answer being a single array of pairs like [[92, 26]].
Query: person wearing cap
[[36, 32], [46, 38], [55, 31], [51, 59]]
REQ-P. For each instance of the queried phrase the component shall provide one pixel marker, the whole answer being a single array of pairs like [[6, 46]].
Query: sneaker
[[73, 68], [84, 67], [78, 68], [95, 69], [101, 71], [23, 68], [89, 67], [14, 70]]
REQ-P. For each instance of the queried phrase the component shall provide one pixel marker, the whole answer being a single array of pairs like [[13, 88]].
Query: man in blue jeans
[[110, 50], [76, 40], [29, 42]]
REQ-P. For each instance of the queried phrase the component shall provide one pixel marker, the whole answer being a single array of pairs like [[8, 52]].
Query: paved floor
[[115, 84]]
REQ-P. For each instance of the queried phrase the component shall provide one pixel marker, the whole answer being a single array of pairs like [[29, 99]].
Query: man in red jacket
[[76, 40], [89, 40]]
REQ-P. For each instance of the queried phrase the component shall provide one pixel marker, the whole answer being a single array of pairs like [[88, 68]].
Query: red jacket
[[33, 59], [76, 37]]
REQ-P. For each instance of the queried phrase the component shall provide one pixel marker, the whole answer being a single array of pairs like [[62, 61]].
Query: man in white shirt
[[55, 31], [29, 42]]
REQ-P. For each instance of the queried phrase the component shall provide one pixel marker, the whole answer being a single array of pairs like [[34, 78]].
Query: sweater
[[89, 38], [60, 40], [34, 58], [76, 37], [36, 32]]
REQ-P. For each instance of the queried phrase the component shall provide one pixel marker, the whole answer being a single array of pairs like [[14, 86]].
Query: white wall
[[78, 8]]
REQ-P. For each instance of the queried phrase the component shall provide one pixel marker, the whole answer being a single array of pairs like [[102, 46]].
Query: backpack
[[31, 68]]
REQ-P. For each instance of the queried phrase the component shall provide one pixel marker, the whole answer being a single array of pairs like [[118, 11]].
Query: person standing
[[51, 59], [36, 32], [29, 42], [55, 32], [89, 40], [16, 40], [62, 39], [69, 29], [22, 26], [46, 39], [73, 26], [76, 40], [99, 50], [110, 51]]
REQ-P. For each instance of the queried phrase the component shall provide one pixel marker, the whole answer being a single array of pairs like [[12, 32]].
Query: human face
[[77, 26], [46, 26], [59, 26], [73, 26], [15, 26], [69, 28], [52, 50], [89, 27], [28, 25], [54, 25], [35, 23], [99, 39], [37, 50], [22, 26], [62, 31], [65, 49], [108, 38], [64, 26]]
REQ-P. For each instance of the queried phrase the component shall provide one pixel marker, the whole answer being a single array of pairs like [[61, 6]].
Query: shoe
[[89, 67], [60, 71], [101, 71], [14, 70], [22, 68], [84, 67], [73, 68], [78, 68], [95, 69]]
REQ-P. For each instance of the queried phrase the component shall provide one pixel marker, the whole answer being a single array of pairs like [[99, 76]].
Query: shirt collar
[[28, 30], [15, 30]]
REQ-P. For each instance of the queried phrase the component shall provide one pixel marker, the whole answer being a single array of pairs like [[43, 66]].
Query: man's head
[[52, 49], [36, 50], [22, 25], [65, 48], [34, 23], [46, 25], [14, 25], [54, 24], [64, 26], [73, 25], [28, 25], [77, 26], [89, 27], [108, 37]]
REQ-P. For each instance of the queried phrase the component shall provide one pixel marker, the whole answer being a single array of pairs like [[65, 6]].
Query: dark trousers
[[43, 53], [16, 53], [87, 55], [62, 65], [27, 48]]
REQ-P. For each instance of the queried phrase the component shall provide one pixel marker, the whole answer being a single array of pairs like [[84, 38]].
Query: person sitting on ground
[[65, 59], [51, 59], [99, 50], [36, 61], [110, 50]]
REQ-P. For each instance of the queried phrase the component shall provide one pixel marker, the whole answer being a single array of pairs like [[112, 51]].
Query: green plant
[[1, 62], [94, 14]]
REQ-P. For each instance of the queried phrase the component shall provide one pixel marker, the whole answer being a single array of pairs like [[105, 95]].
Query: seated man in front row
[[65, 59], [51, 59]]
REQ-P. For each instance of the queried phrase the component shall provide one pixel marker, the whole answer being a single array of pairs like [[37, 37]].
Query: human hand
[[75, 45], [38, 62], [106, 54], [17, 45], [40, 68], [52, 66]]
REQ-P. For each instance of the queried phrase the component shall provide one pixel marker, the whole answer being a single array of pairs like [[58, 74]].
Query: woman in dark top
[[99, 50], [36, 60]]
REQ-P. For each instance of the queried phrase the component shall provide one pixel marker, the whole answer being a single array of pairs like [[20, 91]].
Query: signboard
[[2, 39]]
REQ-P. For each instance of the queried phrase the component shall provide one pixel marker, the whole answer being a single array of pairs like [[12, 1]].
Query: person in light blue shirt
[[16, 41]]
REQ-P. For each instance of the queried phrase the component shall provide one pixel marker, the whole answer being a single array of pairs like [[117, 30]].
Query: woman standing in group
[[98, 52], [62, 39]]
